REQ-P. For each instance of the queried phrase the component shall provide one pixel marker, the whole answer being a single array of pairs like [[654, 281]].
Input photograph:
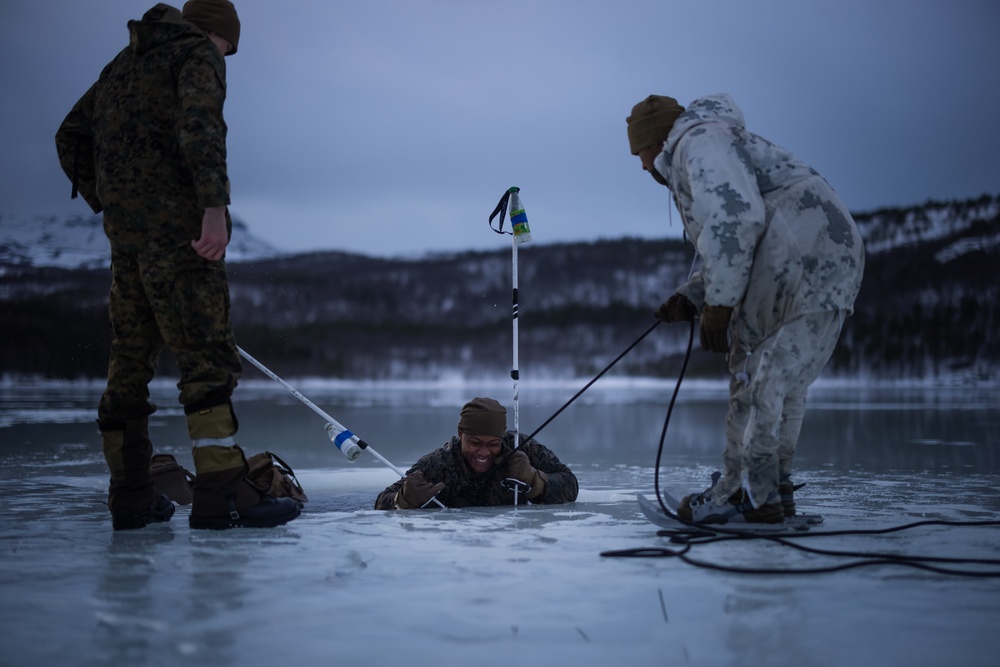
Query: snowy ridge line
[[79, 242], [891, 228], [965, 246]]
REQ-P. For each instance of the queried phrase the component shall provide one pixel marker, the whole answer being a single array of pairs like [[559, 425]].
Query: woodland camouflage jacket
[[147, 142], [466, 488]]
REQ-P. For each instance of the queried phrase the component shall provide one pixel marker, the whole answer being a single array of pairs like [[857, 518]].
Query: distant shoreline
[[458, 381]]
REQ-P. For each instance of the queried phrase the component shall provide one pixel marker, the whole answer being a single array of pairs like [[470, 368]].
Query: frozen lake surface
[[348, 585]]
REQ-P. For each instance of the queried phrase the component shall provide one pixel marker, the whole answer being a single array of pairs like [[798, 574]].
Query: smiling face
[[480, 451]]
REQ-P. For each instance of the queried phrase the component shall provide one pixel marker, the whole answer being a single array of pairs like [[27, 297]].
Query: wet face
[[480, 451]]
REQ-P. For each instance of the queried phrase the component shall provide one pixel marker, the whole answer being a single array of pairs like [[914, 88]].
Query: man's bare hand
[[214, 236]]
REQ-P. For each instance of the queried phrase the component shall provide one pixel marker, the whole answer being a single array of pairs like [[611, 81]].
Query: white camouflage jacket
[[773, 238]]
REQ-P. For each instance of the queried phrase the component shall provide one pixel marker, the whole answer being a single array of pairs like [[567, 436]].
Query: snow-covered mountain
[[890, 228], [78, 242], [928, 305]]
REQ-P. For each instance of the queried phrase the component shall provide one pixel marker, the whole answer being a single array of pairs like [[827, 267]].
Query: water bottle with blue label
[[518, 218]]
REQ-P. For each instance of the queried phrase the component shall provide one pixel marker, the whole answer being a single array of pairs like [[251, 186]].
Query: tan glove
[[520, 468], [714, 329], [416, 492], [676, 309]]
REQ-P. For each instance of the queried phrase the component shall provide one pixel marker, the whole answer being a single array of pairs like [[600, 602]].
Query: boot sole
[[226, 522]]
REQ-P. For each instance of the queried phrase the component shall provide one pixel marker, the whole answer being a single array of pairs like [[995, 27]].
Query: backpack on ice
[[171, 479], [270, 475]]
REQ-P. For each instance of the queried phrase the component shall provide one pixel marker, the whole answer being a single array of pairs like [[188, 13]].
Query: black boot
[[161, 510], [224, 499], [133, 501]]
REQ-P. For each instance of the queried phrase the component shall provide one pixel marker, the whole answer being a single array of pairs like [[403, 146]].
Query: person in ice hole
[[474, 468], [146, 144], [780, 265]]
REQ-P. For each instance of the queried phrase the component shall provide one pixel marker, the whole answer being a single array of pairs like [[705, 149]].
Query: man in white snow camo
[[781, 262]]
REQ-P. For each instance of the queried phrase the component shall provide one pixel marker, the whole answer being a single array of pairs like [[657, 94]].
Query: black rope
[[666, 422], [839, 533], [706, 534], [653, 552], [596, 378]]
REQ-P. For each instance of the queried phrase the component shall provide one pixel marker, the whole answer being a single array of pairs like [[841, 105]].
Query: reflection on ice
[[943, 443], [345, 584], [371, 586]]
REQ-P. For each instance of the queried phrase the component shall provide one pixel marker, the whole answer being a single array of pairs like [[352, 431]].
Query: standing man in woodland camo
[[147, 146]]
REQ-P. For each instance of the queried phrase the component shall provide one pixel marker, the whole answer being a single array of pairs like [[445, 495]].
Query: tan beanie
[[218, 16], [483, 416], [651, 121]]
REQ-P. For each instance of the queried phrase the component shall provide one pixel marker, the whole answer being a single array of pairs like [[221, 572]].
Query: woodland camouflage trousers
[[171, 297]]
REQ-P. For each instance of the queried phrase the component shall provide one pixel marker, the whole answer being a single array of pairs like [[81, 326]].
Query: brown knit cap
[[217, 16], [483, 416], [651, 121]]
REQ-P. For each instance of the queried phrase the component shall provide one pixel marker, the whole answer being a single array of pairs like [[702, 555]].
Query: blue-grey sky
[[392, 127]]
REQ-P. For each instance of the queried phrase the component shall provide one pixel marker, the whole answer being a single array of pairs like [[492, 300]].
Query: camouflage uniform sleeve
[[562, 485], [433, 466], [201, 131], [386, 500], [726, 205], [694, 290], [75, 148]]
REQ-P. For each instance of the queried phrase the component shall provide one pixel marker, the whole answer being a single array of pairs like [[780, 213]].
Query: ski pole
[[514, 370], [349, 444], [520, 233], [515, 373]]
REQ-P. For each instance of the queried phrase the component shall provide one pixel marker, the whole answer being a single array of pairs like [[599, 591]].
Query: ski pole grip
[[346, 442]]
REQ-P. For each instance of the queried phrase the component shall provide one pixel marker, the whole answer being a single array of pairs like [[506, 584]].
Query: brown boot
[[133, 501], [700, 508], [224, 499]]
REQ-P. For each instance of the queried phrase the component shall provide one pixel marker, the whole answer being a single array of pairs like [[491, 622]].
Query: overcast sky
[[392, 127]]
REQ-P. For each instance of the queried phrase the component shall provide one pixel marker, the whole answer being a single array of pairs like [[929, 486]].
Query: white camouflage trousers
[[767, 401]]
